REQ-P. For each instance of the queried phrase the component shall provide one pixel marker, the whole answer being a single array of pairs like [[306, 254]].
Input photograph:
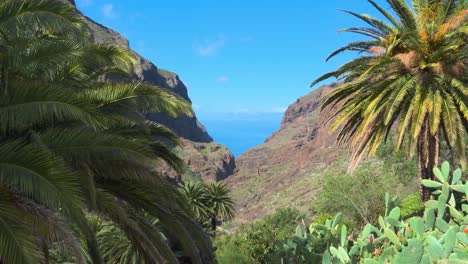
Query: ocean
[[241, 131]]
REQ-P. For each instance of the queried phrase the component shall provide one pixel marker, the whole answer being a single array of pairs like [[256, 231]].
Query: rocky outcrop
[[284, 171], [216, 162], [196, 140]]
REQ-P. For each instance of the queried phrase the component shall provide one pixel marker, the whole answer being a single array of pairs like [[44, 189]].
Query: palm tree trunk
[[213, 223], [45, 251], [428, 157]]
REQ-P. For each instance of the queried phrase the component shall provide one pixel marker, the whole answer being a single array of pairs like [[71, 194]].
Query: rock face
[[283, 172], [192, 132], [216, 162]]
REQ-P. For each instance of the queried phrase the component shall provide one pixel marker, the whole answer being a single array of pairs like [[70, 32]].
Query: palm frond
[[373, 22], [163, 204], [221, 203], [137, 95], [51, 16], [386, 14], [28, 104], [50, 227], [16, 241], [404, 12], [195, 196], [360, 46], [37, 174]]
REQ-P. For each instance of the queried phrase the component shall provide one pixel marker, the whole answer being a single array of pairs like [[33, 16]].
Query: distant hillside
[[285, 170], [204, 158]]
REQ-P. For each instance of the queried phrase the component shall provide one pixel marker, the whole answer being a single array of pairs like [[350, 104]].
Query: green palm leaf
[[137, 95], [37, 174], [16, 241], [28, 104]]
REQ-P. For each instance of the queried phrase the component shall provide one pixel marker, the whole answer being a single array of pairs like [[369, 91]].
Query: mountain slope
[[285, 170], [212, 160]]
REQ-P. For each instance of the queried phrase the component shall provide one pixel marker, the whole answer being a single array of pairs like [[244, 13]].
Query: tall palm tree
[[220, 203], [72, 142], [412, 78]]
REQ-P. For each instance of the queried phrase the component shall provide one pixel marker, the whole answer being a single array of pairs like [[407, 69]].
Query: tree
[[195, 195], [72, 142], [208, 201], [412, 78], [220, 203]]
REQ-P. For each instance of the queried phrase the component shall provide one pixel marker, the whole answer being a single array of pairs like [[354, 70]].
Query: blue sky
[[247, 58]]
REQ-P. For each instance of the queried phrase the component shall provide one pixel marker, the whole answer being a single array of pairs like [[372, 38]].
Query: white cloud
[[223, 79], [108, 11], [210, 47]]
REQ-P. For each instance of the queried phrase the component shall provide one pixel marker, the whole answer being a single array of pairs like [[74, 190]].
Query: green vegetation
[[400, 228], [412, 78], [441, 235], [411, 206], [209, 202], [359, 196], [75, 146], [256, 243], [114, 245]]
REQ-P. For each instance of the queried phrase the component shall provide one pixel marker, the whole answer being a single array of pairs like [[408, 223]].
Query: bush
[[260, 240], [229, 251], [359, 196], [411, 206], [321, 218], [396, 163]]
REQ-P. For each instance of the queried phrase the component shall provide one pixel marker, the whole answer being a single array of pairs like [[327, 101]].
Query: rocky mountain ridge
[[285, 171], [205, 158]]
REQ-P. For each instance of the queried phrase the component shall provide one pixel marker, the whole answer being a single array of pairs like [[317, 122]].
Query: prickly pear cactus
[[440, 236]]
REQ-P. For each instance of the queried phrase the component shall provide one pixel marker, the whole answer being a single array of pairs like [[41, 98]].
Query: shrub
[[229, 251], [412, 205], [359, 196], [260, 240], [321, 218]]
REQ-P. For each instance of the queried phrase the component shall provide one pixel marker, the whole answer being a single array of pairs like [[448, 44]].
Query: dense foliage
[[73, 142], [412, 79], [441, 235], [256, 243]]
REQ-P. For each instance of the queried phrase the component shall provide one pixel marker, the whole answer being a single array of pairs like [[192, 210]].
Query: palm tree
[[195, 196], [413, 79], [73, 142], [220, 203]]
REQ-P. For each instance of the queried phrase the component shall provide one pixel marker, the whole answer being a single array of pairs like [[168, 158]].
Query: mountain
[[203, 157], [284, 171]]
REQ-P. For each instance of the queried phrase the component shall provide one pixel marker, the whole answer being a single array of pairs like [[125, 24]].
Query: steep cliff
[[285, 170], [215, 161]]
